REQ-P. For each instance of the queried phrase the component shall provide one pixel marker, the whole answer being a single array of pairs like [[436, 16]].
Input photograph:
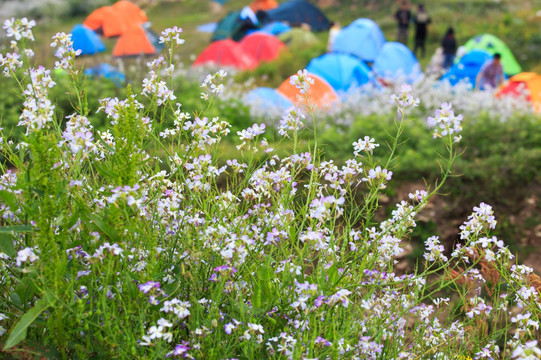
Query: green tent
[[299, 38], [492, 45], [229, 27]]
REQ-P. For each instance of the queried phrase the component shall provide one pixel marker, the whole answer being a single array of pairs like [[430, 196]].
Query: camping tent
[[297, 12], [107, 71], [135, 41], [86, 40], [226, 53], [491, 44], [267, 98], [298, 38], [264, 5], [524, 84], [362, 38], [396, 62], [230, 27], [467, 68], [261, 46], [341, 71], [130, 12], [106, 20], [275, 28], [320, 93]]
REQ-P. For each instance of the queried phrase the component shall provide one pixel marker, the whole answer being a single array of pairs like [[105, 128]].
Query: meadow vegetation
[[129, 232]]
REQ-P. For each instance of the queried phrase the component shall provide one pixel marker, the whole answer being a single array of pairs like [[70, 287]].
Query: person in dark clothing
[[449, 48], [422, 19], [403, 17]]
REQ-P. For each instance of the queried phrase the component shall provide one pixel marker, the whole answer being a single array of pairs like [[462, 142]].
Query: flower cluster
[[152, 85], [38, 109], [172, 36], [213, 85], [404, 100], [446, 122], [301, 81], [367, 145], [291, 121], [19, 28], [78, 136], [65, 51]]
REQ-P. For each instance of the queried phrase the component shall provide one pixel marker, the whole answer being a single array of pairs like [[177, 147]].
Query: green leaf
[[15, 228], [6, 245], [18, 333], [26, 289], [103, 226], [10, 199]]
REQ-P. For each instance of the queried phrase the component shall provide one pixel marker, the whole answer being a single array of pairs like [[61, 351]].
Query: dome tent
[[395, 61], [225, 53], [136, 41], [107, 71], [467, 68], [341, 71], [298, 38], [491, 44], [524, 84], [261, 46], [320, 93], [86, 40], [362, 38], [267, 98], [107, 21], [275, 28], [296, 12], [230, 27], [130, 12]]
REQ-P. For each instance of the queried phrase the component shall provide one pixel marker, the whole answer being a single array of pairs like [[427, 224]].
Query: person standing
[[403, 18], [448, 45], [422, 19], [491, 74], [333, 33]]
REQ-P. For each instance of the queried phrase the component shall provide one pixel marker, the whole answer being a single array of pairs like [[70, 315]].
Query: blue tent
[[208, 27], [396, 62], [467, 68], [276, 28], [107, 71], [86, 40], [297, 12], [342, 71], [267, 98], [362, 38]]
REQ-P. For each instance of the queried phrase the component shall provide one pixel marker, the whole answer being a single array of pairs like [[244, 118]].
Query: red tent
[[226, 53], [134, 42], [262, 46], [264, 5], [107, 21], [130, 12]]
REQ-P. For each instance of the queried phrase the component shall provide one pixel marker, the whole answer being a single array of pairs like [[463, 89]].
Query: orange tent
[[264, 5], [524, 84], [106, 20], [134, 42], [320, 93], [130, 12]]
